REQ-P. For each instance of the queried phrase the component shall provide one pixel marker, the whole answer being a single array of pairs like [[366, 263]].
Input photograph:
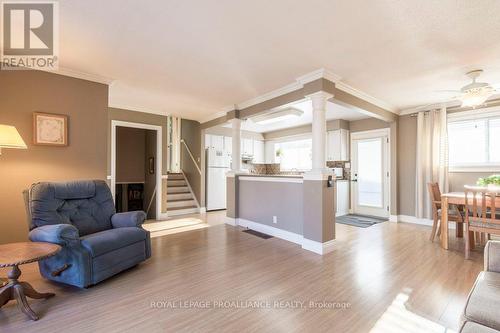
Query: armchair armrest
[[492, 256], [128, 219], [62, 234]]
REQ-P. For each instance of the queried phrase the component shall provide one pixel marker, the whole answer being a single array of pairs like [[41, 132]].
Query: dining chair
[[481, 214], [455, 214]]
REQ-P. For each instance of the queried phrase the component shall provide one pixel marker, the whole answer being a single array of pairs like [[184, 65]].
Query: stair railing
[[191, 155]]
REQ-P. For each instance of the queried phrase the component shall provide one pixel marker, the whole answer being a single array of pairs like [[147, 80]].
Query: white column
[[236, 143], [319, 130]]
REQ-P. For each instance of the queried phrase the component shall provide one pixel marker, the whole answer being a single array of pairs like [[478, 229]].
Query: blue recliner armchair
[[96, 242]]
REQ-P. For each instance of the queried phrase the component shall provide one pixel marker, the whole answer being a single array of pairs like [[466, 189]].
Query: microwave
[[338, 172]]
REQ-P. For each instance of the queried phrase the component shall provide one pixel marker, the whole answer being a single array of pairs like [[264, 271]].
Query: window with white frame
[[474, 142], [294, 155]]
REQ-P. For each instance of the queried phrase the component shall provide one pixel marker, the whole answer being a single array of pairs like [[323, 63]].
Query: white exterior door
[[370, 177]]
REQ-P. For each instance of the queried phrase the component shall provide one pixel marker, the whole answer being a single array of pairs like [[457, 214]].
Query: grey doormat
[[360, 221]]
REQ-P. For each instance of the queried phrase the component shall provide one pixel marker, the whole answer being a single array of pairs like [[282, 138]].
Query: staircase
[[180, 200]]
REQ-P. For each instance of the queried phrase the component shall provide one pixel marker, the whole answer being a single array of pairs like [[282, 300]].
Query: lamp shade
[[10, 138]]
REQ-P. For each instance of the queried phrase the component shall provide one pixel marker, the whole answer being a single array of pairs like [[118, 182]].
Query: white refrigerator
[[218, 164]]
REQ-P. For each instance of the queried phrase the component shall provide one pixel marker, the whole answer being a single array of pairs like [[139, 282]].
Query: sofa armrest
[[128, 219], [62, 234], [492, 256]]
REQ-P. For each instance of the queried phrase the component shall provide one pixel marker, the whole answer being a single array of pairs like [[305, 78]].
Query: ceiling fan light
[[475, 97]]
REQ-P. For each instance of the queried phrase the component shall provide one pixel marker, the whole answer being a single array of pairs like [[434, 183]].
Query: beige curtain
[[432, 157]]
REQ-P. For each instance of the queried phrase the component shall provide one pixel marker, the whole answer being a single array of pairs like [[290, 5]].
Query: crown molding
[[134, 108], [216, 115], [428, 107], [364, 96], [81, 75], [318, 74]]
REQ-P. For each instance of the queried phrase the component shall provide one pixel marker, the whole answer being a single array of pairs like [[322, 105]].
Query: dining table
[[455, 198]]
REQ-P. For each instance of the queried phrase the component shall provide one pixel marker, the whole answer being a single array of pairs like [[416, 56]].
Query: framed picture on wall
[[50, 129]]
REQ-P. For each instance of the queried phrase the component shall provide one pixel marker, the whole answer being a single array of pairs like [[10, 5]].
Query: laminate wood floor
[[386, 278]]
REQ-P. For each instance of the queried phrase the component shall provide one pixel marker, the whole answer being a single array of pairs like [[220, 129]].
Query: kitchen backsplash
[[269, 169], [274, 168]]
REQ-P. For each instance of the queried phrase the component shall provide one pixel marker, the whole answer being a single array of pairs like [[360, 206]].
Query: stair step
[[179, 196], [182, 211], [179, 204], [177, 189], [175, 176], [180, 182]]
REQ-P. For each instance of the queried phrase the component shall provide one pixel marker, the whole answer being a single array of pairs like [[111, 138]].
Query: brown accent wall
[[130, 155], [191, 134], [84, 102]]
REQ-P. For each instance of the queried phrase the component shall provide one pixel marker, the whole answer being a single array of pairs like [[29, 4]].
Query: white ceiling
[[193, 58], [333, 111]]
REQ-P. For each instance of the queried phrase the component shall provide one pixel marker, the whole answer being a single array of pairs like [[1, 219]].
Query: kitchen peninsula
[[297, 208]]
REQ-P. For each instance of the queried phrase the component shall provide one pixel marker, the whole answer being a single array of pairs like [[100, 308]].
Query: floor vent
[[258, 234]]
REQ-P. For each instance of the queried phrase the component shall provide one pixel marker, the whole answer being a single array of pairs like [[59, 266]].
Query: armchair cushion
[[62, 234], [492, 256], [110, 240], [128, 219]]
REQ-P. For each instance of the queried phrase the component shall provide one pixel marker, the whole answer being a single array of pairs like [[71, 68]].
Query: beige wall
[[367, 124], [407, 140], [130, 155], [85, 103], [457, 180]]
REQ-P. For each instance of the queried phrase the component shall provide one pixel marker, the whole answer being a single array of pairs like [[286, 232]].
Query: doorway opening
[[370, 181], [136, 167]]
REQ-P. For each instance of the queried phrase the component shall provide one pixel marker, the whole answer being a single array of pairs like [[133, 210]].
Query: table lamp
[[10, 138]]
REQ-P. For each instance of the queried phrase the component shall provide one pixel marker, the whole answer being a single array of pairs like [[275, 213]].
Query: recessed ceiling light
[[276, 116]]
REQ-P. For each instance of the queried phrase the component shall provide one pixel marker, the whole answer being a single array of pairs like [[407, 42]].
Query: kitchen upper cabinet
[[228, 144], [247, 146], [337, 145], [258, 151], [214, 141]]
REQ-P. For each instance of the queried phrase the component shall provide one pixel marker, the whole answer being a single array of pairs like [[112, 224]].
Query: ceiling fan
[[474, 93]]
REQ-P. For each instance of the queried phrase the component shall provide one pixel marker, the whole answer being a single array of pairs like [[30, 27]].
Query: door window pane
[[370, 180]]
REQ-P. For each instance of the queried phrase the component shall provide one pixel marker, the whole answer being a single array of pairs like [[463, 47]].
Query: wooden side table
[[13, 255]]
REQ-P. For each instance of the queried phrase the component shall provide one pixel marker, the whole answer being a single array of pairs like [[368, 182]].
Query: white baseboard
[[393, 218], [203, 210], [421, 221], [306, 244], [272, 231], [317, 247]]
